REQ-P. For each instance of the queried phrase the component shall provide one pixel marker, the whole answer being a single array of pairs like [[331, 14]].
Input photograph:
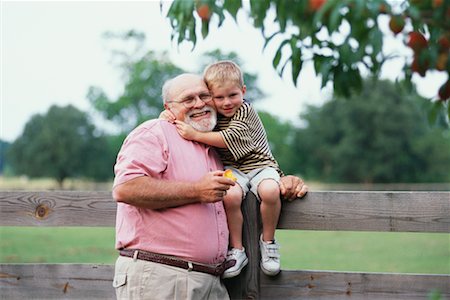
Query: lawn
[[314, 250]]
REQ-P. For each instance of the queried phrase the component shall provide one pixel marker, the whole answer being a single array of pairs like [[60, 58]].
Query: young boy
[[242, 143]]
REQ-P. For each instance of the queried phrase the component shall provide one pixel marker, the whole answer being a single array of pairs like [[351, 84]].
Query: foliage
[[144, 73], [141, 99], [62, 143], [380, 136], [343, 38], [3, 149], [281, 137]]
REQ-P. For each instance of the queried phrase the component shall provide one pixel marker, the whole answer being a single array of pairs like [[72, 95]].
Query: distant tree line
[[380, 135]]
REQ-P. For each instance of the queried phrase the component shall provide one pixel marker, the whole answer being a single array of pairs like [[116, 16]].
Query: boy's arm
[[211, 138]]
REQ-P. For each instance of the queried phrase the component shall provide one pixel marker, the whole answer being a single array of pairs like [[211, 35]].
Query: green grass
[[366, 251], [313, 250], [57, 245]]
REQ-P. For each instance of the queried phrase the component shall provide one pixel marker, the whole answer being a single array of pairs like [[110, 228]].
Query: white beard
[[204, 125]]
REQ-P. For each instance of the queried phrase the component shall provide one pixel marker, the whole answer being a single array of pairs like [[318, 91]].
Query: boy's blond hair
[[221, 73]]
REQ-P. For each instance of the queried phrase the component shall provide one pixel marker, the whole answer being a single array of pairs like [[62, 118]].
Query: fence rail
[[335, 211]]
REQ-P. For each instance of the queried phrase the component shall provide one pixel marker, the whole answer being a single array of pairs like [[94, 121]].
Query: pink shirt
[[196, 232]]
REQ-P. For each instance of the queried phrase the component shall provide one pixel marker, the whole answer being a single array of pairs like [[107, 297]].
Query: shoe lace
[[232, 254], [272, 250]]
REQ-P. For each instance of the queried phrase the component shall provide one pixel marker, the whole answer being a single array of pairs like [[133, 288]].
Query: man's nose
[[198, 102]]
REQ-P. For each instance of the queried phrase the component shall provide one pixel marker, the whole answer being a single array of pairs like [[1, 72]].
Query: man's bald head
[[173, 87]]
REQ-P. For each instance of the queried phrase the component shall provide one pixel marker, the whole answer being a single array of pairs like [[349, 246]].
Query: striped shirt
[[246, 140]]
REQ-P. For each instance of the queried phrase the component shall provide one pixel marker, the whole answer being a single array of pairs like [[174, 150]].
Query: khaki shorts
[[140, 279], [251, 180]]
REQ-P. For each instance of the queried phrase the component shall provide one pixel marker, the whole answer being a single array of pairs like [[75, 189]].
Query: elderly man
[[171, 228]]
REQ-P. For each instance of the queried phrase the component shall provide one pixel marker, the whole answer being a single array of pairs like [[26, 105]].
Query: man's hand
[[292, 187], [213, 187]]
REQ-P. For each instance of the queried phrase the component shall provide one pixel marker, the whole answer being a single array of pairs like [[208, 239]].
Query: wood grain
[[56, 281], [355, 211], [352, 285], [369, 211], [86, 281]]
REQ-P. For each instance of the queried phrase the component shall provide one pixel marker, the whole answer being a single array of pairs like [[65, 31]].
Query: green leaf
[[281, 71], [278, 54], [325, 69], [319, 16], [276, 59], [267, 40], [281, 15], [335, 18], [232, 6], [296, 60], [205, 28], [376, 36], [434, 112]]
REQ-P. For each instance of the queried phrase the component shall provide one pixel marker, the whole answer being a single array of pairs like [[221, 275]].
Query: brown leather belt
[[215, 270]]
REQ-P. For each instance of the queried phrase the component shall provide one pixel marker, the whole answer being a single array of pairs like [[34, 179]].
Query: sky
[[52, 52]]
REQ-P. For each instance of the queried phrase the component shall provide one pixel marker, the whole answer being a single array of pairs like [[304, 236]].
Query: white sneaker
[[241, 261], [270, 257]]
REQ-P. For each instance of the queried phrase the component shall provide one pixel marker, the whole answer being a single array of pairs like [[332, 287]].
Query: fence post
[[247, 284]]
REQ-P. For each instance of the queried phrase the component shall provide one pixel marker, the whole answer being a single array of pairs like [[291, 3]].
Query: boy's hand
[[185, 130], [292, 187], [167, 115]]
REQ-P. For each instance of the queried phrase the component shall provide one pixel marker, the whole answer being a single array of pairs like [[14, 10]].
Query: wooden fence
[[334, 211]]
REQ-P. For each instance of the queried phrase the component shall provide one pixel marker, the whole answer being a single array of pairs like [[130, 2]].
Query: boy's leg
[[269, 193], [265, 185], [232, 203]]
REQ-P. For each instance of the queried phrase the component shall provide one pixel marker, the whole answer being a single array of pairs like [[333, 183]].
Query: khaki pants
[[139, 279]]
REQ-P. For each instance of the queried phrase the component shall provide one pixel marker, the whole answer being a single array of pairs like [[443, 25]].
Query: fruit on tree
[[441, 62], [417, 41], [396, 24], [315, 5], [444, 44], [203, 12], [436, 3]]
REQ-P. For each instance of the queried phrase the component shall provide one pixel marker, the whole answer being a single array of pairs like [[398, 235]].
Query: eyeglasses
[[190, 100]]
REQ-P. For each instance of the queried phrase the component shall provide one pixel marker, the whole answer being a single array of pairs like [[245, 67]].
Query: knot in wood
[[42, 211]]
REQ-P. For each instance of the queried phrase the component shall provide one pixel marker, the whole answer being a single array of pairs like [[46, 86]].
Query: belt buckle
[[190, 266]]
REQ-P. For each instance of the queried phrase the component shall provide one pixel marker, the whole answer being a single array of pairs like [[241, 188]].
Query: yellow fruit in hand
[[229, 174]]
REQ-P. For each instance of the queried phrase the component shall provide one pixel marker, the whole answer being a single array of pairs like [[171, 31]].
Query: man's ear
[[244, 89]]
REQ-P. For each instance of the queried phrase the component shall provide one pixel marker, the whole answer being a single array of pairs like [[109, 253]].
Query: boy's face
[[228, 98]]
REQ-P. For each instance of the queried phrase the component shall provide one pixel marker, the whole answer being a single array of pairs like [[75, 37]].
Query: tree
[[3, 149], [342, 37], [62, 143], [141, 99], [144, 73], [281, 136], [378, 136]]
